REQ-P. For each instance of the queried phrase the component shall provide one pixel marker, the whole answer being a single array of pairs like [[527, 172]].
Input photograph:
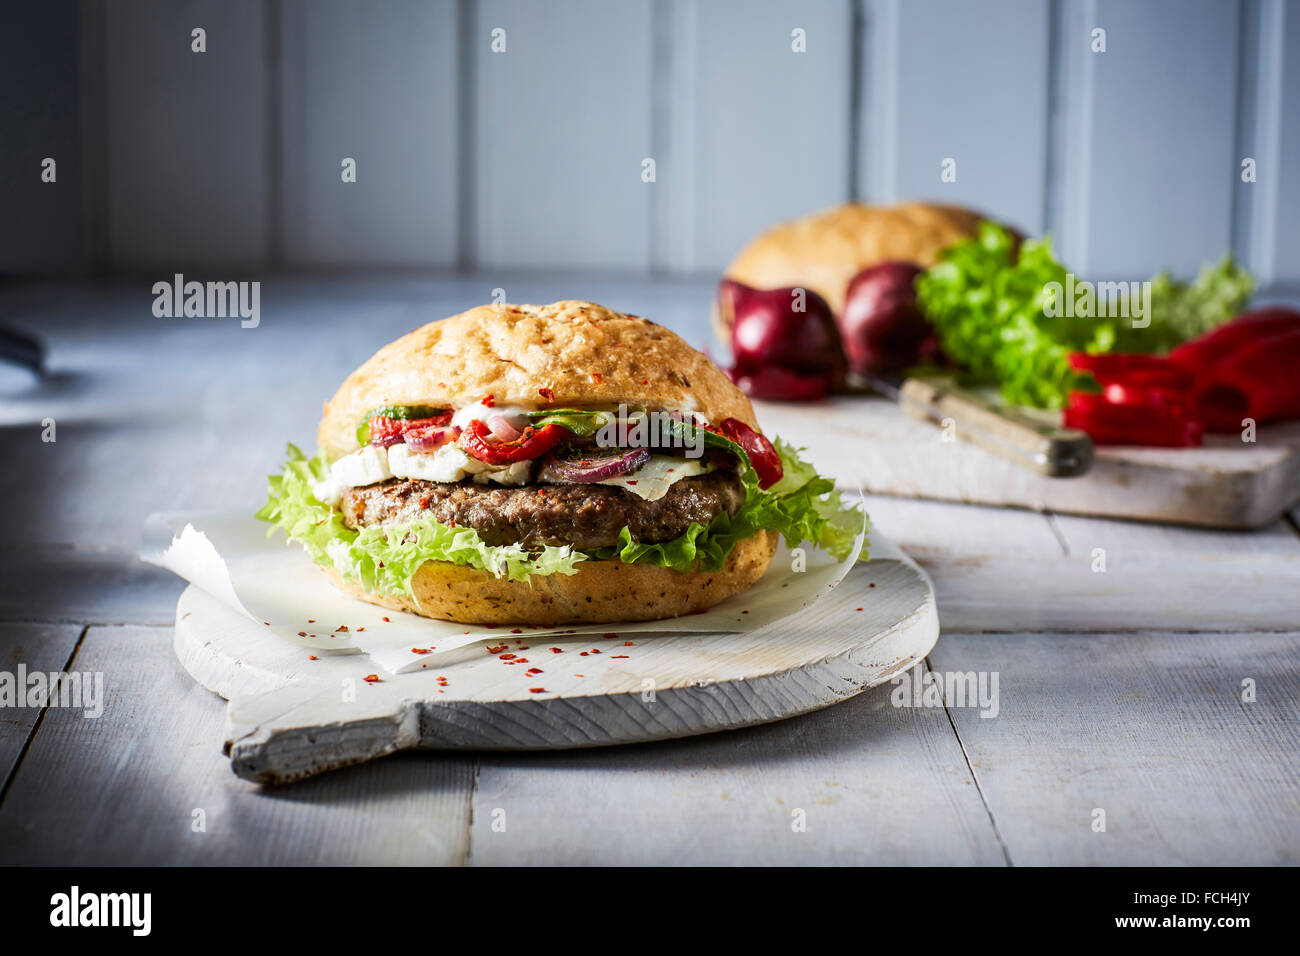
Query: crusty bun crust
[[583, 353], [824, 251], [601, 592]]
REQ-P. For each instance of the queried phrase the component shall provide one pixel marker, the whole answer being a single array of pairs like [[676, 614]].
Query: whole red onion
[[788, 328], [884, 330]]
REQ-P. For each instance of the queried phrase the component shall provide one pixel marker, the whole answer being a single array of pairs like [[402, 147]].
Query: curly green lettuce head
[[802, 506]]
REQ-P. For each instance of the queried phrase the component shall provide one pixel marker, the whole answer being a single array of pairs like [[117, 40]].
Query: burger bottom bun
[[601, 592]]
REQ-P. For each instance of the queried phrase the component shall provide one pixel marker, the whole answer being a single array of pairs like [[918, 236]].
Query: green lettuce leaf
[[989, 306], [384, 559], [802, 506]]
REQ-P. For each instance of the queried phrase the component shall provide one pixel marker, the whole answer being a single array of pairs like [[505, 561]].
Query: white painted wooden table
[[1119, 691]]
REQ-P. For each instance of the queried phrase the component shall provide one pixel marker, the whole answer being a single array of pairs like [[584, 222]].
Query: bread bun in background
[[824, 251]]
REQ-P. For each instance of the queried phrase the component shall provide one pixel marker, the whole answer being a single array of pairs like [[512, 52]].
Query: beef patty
[[585, 516]]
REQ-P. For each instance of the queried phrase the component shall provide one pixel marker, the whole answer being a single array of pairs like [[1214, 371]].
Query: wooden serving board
[[290, 716], [869, 441]]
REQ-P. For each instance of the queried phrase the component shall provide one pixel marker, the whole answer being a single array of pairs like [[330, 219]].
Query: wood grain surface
[[1227, 483], [1118, 690], [294, 713]]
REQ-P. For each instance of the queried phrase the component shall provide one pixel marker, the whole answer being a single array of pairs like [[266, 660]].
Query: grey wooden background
[[532, 158], [1120, 691]]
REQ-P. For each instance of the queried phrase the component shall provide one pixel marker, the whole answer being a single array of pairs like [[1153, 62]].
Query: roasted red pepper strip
[[389, 431], [1144, 417], [1260, 381], [766, 462], [533, 443], [1209, 349], [1132, 369]]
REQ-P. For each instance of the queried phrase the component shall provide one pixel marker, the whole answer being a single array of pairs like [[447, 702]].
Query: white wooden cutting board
[[291, 716], [1227, 483]]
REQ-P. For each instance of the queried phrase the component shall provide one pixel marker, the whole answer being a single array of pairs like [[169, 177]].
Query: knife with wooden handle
[[1004, 430]]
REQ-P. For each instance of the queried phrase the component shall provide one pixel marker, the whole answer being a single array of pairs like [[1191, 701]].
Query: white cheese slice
[[449, 463], [366, 466], [480, 412], [653, 479], [443, 464]]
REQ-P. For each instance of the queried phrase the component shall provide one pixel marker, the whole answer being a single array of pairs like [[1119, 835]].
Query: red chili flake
[[595, 650], [859, 609], [516, 630], [631, 482], [496, 650], [302, 633], [421, 650], [424, 502], [611, 636], [547, 394], [360, 629], [506, 657], [371, 678], [872, 584], [524, 647], [267, 623], [311, 620], [537, 690], [613, 657], [313, 658], [645, 381], [532, 671], [557, 650], [598, 378], [579, 675], [541, 491], [341, 627], [489, 401], [384, 619], [627, 643], [582, 653], [744, 612]]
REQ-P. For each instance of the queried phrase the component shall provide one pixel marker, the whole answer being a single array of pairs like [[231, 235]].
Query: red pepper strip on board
[[1207, 350], [1149, 416], [766, 462], [1260, 381], [1129, 368], [533, 443]]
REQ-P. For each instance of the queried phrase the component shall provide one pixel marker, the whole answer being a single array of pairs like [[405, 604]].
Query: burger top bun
[[564, 354], [824, 251]]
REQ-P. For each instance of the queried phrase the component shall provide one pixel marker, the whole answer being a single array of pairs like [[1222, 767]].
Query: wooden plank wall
[[533, 158]]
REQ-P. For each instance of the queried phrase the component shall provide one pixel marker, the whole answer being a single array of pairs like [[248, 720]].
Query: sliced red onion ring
[[501, 428], [587, 470], [429, 437]]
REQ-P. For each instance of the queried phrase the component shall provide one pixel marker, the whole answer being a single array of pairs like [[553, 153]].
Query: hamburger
[[548, 465]]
